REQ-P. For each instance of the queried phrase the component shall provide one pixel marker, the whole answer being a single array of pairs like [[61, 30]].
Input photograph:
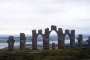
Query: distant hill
[[4, 38], [40, 46]]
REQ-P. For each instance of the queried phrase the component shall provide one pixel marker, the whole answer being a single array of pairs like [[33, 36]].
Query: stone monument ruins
[[61, 39], [22, 41]]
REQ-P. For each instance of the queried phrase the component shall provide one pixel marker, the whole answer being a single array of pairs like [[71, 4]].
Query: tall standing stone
[[80, 40], [88, 41], [22, 41], [72, 38], [46, 39], [60, 38], [34, 40], [10, 42]]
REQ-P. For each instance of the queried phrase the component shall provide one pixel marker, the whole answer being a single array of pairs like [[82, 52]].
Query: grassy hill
[[59, 54]]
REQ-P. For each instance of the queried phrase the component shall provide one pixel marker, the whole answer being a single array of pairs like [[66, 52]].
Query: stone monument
[[22, 41], [10, 42]]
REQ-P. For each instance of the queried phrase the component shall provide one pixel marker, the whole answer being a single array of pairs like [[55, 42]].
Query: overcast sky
[[25, 15]]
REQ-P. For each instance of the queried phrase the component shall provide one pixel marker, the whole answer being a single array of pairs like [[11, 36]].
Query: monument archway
[[39, 41], [34, 38], [61, 37], [71, 35], [53, 38]]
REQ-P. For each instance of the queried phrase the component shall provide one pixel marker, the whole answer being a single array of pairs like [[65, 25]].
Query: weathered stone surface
[[80, 40], [60, 42], [22, 41], [46, 39], [46, 44], [10, 42], [60, 38], [72, 38], [34, 40]]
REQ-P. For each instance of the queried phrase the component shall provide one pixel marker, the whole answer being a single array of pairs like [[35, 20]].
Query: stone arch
[[52, 31], [54, 36], [71, 35], [41, 34], [39, 41], [53, 28], [46, 36], [67, 33], [60, 34], [34, 38], [68, 37]]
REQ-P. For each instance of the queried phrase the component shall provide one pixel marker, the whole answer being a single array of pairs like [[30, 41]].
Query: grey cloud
[[42, 13]]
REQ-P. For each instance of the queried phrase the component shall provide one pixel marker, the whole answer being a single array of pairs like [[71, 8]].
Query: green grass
[[59, 54]]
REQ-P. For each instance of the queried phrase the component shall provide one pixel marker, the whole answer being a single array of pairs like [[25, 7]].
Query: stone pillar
[[53, 45], [80, 41], [60, 38], [46, 40], [34, 40], [10, 42], [88, 41], [61, 42], [22, 41], [72, 39]]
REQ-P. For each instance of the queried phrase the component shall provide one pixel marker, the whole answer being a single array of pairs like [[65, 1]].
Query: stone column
[[60, 38], [10, 42], [72, 39], [46, 40], [53, 45], [61, 42], [22, 41], [88, 41], [80, 40], [34, 40]]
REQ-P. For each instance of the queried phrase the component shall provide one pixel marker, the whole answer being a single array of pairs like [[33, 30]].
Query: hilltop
[[59, 54]]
